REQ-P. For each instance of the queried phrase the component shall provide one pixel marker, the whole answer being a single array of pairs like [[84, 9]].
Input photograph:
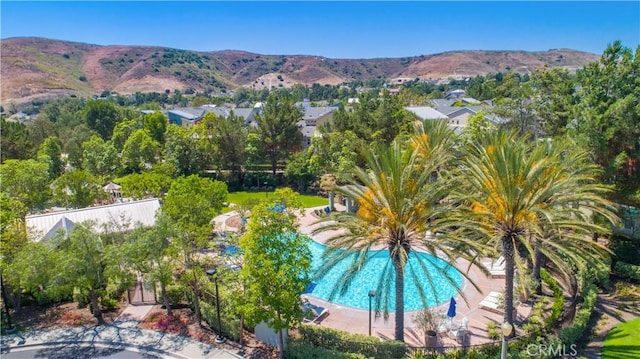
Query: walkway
[[123, 335], [122, 339]]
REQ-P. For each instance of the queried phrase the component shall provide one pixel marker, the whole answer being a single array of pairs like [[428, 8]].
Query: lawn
[[623, 341], [239, 197]]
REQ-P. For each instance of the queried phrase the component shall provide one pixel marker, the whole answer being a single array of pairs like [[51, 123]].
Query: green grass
[[239, 197], [623, 341]]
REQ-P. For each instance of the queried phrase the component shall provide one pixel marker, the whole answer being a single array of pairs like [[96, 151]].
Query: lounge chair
[[491, 303], [313, 313], [495, 267]]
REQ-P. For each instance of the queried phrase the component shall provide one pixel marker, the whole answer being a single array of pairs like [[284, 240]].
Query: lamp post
[[372, 293], [213, 273], [265, 189], [506, 331]]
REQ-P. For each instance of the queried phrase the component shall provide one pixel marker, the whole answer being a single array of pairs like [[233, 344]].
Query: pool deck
[[356, 320]]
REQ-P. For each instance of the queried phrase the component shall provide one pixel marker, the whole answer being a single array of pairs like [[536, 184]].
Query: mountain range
[[36, 68]]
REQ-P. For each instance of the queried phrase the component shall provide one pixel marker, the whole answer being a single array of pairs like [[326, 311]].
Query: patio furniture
[[313, 313], [492, 303], [495, 267]]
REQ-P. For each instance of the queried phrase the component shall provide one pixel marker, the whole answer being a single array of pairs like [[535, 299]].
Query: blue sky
[[332, 29]]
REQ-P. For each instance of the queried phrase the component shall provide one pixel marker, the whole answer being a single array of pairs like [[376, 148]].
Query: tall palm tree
[[520, 196], [398, 196]]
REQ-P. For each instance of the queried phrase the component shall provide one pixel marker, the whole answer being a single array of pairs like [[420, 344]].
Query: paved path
[[113, 338]]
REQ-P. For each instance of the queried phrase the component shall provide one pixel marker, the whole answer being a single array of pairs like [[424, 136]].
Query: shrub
[[351, 343], [230, 325], [628, 271], [108, 303], [176, 294], [300, 349], [558, 302], [492, 331], [570, 335]]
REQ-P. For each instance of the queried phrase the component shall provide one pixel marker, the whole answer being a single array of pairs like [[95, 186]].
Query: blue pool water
[[368, 278]]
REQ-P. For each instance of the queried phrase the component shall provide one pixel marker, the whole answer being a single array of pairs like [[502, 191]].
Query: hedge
[[230, 326], [558, 298], [628, 271], [570, 335], [300, 349], [352, 343]]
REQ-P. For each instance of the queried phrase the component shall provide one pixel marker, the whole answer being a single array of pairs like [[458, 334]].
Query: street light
[[506, 331], [213, 273], [372, 293]]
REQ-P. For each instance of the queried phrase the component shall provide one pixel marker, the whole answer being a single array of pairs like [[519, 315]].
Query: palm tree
[[529, 201], [398, 197]]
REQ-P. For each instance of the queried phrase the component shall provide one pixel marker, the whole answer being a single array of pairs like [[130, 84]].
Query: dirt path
[[609, 312]]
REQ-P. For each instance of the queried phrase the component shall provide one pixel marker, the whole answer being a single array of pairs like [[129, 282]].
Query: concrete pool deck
[[356, 320]]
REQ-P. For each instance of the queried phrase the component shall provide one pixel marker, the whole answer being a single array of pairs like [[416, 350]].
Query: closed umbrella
[[452, 309]]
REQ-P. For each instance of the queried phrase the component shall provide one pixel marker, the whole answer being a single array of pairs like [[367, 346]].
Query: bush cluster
[[369, 347], [628, 271], [558, 298], [570, 335], [300, 349], [230, 325]]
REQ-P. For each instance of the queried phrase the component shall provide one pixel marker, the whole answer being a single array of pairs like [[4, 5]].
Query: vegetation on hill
[[35, 68]]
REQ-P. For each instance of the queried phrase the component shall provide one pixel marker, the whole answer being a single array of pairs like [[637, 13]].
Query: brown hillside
[[35, 67]]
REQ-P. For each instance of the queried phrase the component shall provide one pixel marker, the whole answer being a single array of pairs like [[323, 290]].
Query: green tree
[[102, 116], [277, 261], [608, 118], [100, 157], [191, 204], [155, 124], [516, 192], [84, 265], [278, 129], [398, 197], [77, 189], [229, 137], [72, 140], [141, 185], [147, 253], [139, 152], [302, 169], [15, 141], [27, 181], [553, 99], [180, 150], [195, 200], [51, 154], [123, 131]]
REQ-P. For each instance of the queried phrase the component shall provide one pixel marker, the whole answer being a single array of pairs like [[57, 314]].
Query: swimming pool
[[368, 277]]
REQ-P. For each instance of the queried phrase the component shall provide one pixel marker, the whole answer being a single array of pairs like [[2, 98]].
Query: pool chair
[[313, 313], [495, 267], [492, 303]]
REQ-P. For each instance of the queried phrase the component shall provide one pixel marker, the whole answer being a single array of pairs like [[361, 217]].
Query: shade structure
[[452, 308], [112, 187]]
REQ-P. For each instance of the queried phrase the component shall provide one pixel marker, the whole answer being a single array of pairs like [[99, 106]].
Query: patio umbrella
[[452, 309]]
